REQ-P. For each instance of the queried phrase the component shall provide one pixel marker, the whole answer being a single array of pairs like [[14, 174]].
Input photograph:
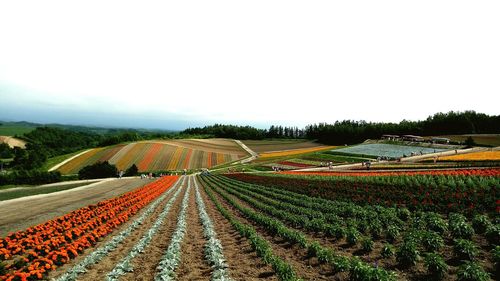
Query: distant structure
[[413, 138], [390, 137], [440, 140]]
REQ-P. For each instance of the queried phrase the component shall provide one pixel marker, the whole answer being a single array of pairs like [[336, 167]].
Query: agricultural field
[[292, 152], [12, 142], [480, 139], [387, 150], [160, 155], [474, 156], [272, 227], [13, 129], [262, 146]]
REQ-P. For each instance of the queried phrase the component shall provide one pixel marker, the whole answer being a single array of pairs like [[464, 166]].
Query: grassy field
[[51, 162], [12, 130], [12, 192], [480, 139], [262, 146]]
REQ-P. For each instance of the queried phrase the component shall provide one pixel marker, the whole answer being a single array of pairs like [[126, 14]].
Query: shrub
[[367, 244], [496, 257], [98, 170], [435, 265], [407, 254], [352, 236], [465, 249], [387, 251], [392, 233], [436, 223], [432, 241], [472, 271], [459, 227], [493, 234], [480, 223], [132, 171]]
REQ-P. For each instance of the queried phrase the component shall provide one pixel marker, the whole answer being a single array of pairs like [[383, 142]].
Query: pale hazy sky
[[173, 64]]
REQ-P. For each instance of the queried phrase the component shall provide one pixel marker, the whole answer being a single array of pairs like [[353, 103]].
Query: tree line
[[350, 131]]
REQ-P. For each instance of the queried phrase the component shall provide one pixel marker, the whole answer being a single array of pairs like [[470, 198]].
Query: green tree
[[132, 171], [98, 170]]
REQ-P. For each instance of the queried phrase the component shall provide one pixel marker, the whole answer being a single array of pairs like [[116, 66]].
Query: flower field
[[494, 172], [272, 227], [387, 150], [157, 156], [294, 152], [474, 156]]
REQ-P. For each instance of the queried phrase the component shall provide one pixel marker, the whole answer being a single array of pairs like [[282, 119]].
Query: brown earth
[[305, 267], [13, 142], [225, 146], [243, 262], [21, 214]]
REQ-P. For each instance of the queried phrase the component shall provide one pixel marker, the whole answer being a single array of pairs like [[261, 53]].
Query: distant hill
[[160, 155]]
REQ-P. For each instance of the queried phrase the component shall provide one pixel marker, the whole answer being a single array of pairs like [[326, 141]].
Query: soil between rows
[[306, 267], [243, 262]]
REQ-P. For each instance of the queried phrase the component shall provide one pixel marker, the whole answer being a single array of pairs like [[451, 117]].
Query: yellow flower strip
[[294, 151], [474, 156]]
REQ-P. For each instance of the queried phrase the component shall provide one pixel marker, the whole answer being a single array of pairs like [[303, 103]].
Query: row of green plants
[[423, 234], [437, 193], [357, 269]]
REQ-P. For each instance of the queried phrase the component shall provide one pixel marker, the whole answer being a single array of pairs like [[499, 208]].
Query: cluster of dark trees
[[349, 132], [451, 123], [104, 170]]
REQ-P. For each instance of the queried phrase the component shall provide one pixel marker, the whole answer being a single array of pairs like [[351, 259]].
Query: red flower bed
[[294, 164], [493, 172], [31, 253]]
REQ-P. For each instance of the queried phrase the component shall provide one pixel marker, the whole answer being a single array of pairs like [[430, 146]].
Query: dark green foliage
[[392, 233], [435, 222], [363, 272], [98, 170], [459, 226], [432, 241], [469, 142], [387, 251], [480, 223], [493, 234], [132, 171], [496, 258], [407, 254], [352, 236], [465, 249], [127, 136], [367, 244], [6, 151], [472, 271], [29, 177], [228, 131], [435, 265], [2, 268]]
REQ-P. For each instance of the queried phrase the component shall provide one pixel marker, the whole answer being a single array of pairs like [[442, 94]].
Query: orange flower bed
[[493, 172], [474, 156], [31, 253], [294, 151]]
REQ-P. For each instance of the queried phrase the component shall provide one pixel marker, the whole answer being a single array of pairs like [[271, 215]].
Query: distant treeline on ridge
[[349, 131]]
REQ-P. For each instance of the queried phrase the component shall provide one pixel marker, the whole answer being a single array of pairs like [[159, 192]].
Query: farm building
[[390, 137], [440, 140], [413, 138]]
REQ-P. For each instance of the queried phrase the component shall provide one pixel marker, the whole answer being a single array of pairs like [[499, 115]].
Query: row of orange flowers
[[31, 253], [494, 172]]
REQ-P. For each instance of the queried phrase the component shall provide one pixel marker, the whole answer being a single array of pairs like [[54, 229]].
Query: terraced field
[[161, 155]]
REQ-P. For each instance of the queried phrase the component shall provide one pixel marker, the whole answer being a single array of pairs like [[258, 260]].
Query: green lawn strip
[[358, 270], [283, 270], [33, 190]]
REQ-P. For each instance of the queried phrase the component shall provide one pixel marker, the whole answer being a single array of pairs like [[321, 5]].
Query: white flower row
[[213, 247], [125, 265], [172, 256], [101, 252]]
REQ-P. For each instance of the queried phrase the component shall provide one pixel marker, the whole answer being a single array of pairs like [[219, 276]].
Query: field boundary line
[[253, 154], [67, 160]]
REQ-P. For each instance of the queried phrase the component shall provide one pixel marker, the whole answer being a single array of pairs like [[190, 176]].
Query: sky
[[178, 64]]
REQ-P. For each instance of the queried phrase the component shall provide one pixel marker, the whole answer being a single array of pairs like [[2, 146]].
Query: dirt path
[[243, 262], [193, 265], [19, 215], [305, 266]]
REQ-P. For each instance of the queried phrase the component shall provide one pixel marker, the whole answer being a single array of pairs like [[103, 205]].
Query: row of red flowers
[[31, 253], [494, 172]]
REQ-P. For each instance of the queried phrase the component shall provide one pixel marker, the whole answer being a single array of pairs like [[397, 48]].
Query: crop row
[[103, 251], [431, 193], [415, 233], [125, 265], [33, 252], [283, 270], [493, 172], [357, 269]]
